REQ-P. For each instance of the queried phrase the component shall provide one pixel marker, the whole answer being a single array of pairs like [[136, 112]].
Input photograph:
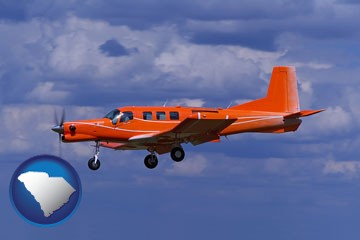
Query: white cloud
[[27, 128], [215, 67], [67, 52], [353, 98], [195, 102], [241, 101], [347, 168], [305, 93], [312, 65], [45, 93], [306, 87], [76, 48], [334, 120], [193, 166]]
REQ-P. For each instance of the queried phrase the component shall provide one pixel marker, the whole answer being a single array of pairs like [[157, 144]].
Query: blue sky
[[93, 56]]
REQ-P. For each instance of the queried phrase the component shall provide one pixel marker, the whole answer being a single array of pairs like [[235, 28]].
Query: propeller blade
[[59, 127], [56, 118], [62, 117]]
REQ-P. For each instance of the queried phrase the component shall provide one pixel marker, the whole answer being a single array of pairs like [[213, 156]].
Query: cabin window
[[126, 116], [160, 116], [174, 115], [147, 115]]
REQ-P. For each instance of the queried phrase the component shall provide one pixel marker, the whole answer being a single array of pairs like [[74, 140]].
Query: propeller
[[59, 127]]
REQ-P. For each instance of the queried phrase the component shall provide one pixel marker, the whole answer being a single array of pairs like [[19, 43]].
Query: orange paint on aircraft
[[163, 129]]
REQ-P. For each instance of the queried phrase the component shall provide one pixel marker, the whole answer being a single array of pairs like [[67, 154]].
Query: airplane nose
[[58, 129]]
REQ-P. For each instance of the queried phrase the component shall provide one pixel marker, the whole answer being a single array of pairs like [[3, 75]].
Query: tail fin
[[282, 95]]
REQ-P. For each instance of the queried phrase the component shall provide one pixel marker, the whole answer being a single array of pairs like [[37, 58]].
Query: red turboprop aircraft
[[163, 129]]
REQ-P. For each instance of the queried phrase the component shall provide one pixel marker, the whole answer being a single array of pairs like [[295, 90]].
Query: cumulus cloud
[[218, 69], [67, 52], [27, 128], [347, 168], [193, 166], [352, 101], [192, 102], [313, 65], [306, 87], [44, 92], [333, 121]]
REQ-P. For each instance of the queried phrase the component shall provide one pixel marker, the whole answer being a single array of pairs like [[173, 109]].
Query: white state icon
[[51, 193]]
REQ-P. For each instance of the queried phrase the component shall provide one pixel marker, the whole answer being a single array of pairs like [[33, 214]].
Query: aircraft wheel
[[151, 161], [92, 165], [177, 154]]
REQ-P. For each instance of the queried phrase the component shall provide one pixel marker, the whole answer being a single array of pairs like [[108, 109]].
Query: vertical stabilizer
[[282, 95]]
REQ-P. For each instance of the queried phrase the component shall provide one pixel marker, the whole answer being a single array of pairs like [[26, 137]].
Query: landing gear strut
[[151, 161], [94, 162]]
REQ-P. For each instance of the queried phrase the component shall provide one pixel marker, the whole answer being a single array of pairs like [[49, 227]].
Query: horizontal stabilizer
[[303, 113]]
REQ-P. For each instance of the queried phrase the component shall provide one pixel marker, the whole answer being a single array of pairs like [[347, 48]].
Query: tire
[[151, 161], [92, 165], [177, 154]]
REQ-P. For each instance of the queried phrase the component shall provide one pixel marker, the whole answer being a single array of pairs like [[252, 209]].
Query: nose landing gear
[[94, 162]]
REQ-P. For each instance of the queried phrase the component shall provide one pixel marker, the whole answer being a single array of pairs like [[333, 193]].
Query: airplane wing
[[203, 127], [198, 128]]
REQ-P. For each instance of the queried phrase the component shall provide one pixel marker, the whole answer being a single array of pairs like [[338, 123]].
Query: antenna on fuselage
[[164, 105], [229, 105]]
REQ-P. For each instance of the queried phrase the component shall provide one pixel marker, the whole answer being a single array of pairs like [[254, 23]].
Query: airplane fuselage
[[152, 120]]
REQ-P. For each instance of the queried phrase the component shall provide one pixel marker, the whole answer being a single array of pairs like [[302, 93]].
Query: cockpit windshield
[[113, 115]]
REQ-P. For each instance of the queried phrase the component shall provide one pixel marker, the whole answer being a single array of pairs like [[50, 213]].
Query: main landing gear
[[151, 161], [94, 162], [177, 154]]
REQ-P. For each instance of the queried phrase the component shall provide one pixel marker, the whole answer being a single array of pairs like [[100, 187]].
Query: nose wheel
[[94, 162]]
